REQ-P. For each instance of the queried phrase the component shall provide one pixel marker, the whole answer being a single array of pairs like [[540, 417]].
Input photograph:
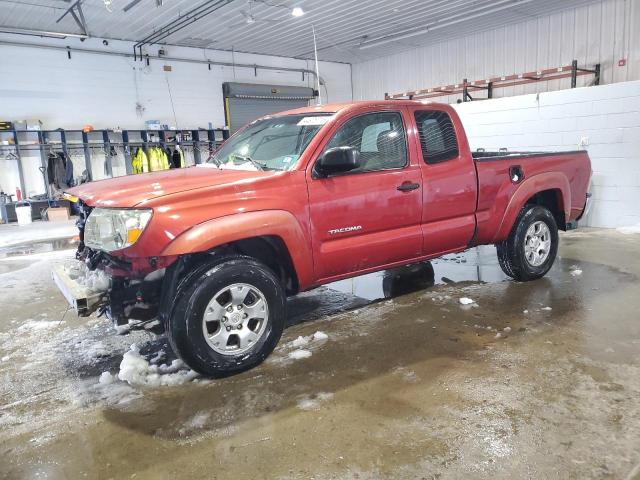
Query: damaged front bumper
[[85, 291]]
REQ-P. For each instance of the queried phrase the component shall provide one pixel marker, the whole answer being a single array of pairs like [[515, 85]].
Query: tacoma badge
[[345, 229]]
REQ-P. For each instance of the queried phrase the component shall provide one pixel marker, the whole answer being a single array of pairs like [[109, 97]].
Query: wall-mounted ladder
[[466, 88]]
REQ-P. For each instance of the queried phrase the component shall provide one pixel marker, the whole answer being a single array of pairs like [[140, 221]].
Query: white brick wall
[[608, 115]]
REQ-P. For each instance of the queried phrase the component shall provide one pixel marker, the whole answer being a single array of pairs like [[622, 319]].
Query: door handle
[[408, 186]]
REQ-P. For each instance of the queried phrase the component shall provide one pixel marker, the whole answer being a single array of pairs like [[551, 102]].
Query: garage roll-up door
[[244, 102]]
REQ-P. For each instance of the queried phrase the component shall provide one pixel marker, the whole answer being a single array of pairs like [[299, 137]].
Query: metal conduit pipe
[[163, 58], [177, 25]]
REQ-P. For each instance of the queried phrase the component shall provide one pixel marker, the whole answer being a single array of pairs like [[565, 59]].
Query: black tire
[[185, 327], [511, 252]]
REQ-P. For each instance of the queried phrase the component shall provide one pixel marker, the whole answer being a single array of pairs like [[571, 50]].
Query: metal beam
[[76, 12]]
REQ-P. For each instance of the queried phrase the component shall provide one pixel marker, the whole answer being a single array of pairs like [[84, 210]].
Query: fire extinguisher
[[18, 194]]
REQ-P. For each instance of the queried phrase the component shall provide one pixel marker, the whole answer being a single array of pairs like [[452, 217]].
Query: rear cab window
[[438, 139]]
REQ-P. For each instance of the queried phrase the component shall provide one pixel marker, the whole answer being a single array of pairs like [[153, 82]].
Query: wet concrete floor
[[535, 380]]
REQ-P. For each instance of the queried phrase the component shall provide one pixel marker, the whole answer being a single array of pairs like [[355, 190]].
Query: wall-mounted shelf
[[45, 141], [465, 88]]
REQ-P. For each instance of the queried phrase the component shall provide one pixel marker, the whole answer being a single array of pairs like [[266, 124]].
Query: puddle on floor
[[41, 246], [478, 264]]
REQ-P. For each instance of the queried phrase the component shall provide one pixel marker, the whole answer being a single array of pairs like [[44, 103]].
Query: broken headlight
[[112, 229]]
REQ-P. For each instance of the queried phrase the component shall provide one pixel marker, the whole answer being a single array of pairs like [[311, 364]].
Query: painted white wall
[[606, 117], [103, 90], [603, 32]]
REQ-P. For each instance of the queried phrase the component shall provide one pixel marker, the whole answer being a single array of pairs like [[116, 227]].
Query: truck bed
[[568, 171]]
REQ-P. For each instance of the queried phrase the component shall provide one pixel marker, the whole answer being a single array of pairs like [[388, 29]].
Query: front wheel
[[229, 318], [530, 250]]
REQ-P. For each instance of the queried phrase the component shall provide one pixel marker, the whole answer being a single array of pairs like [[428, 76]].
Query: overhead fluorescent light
[[40, 33], [297, 12]]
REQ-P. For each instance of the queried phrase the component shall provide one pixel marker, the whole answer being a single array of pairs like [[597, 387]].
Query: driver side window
[[379, 137]]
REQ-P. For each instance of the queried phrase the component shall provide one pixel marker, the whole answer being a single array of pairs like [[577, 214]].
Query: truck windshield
[[274, 143]]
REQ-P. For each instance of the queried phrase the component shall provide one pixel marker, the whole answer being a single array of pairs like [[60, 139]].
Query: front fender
[[526, 190], [220, 231]]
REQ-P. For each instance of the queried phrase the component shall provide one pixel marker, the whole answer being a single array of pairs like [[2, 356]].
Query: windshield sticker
[[317, 120]]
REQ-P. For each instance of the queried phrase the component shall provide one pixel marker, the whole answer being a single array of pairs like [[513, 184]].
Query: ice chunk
[[106, 378], [298, 354], [319, 336], [576, 272], [466, 301], [122, 329], [546, 309], [299, 342]]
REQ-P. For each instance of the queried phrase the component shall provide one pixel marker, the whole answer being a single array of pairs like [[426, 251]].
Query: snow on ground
[[13, 234], [136, 370], [302, 341], [630, 229], [31, 325], [466, 301], [298, 354], [313, 402]]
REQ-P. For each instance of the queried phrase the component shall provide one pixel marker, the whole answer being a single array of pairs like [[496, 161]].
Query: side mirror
[[337, 160]]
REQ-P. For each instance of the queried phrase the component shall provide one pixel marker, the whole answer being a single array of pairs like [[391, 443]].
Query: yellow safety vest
[[139, 162]]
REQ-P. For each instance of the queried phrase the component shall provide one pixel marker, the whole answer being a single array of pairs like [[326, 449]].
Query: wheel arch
[[551, 190], [273, 237]]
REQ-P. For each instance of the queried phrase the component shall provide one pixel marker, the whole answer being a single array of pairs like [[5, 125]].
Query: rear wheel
[[229, 318], [530, 250]]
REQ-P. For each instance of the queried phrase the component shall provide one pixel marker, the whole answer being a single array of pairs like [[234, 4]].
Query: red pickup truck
[[302, 198]]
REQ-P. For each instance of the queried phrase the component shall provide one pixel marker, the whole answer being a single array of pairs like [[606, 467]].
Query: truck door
[[370, 216], [449, 178]]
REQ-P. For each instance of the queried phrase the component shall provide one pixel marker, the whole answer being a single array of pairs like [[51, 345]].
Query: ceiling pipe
[[187, 19], [91, 51], [437, 25]]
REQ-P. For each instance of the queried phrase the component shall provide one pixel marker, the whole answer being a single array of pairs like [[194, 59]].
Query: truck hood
[[132, 190]]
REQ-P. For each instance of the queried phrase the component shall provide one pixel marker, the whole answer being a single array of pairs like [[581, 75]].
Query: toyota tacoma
[[300, 199]]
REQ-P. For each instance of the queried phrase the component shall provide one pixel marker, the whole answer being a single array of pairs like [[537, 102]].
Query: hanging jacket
[[165, 159], [68, 173], [140, 162], [56, 170], [177, 159], [158, 159], [51, 165]]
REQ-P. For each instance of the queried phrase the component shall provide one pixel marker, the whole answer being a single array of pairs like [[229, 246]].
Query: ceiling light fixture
[[297, 12], [41, 33]]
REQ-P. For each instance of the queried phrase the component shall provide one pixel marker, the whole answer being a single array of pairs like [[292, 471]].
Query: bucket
[[23, 212]]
